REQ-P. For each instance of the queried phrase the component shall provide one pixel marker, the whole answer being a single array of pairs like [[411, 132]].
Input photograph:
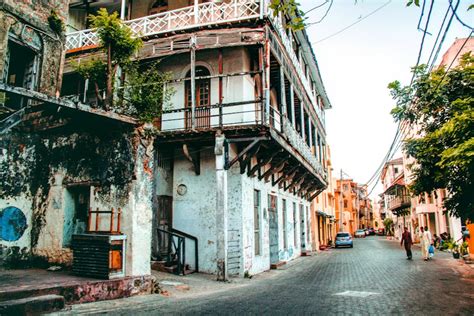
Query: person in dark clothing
[[407, 242]]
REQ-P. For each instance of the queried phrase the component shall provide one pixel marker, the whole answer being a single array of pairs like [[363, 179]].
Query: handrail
[[194, 238], [180, 248]]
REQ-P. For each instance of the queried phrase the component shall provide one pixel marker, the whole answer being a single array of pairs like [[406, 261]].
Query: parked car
[[360, 233], [371, 231], [344, 239], [366, 231], [381, 232]]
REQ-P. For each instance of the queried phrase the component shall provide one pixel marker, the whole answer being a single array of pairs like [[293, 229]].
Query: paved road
[[320, 284]]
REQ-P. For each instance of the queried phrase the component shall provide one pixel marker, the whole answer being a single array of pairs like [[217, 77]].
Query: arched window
[[203, 98]]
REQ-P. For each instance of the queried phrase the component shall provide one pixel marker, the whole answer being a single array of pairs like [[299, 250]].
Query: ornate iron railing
[[179, 19]]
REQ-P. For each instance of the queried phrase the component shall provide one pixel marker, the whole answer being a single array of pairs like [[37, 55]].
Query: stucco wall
[[235, 88], [36, 172]]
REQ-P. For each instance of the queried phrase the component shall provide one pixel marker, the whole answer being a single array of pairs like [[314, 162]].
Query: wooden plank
[[263, 162]]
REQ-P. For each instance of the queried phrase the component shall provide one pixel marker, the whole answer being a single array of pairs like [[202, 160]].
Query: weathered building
[[240, 146], [323, 211], [60, 159]]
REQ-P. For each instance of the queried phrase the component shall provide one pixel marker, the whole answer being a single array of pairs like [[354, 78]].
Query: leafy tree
[[388, 224], [289, 7], [442, 113], [143, 93]]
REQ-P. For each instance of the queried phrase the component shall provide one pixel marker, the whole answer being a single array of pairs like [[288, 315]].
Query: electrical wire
[[324, 16], [457, 17], [316, 7], [444, 36], [425, 31], [439, 33], [352, 24]]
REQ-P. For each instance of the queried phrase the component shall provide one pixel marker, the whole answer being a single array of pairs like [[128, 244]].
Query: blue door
[[273, 225]]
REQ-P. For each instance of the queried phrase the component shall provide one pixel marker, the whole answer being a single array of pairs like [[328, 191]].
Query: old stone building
[[240, 144], [60, 159]]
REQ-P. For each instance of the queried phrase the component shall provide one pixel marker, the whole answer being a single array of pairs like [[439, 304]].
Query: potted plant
[[455, 250]]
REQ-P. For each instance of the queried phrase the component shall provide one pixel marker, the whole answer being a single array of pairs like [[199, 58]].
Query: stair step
[[274, 266], [32, 305], [171, 269]]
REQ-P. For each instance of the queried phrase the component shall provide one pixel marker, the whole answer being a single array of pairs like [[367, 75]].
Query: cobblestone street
[[373, 278]]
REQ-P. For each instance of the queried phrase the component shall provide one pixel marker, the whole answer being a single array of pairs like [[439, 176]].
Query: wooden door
[[163, 220], [203, 99]]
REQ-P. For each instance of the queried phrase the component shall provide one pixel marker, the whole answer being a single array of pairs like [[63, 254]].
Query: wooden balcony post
[[310, 129], [283, 92], [193, 81], [122, 10], [292, 105], [221, 97], [196, 11], [303, 134]]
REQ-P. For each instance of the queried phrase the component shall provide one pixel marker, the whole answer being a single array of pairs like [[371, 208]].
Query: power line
[[317, 7], [324, 16], [354, 23], [423, 38], [457, 17], [454, 59], [444, 36], [439, 33]]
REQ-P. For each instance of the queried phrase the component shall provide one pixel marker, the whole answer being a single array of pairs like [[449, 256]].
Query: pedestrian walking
[[422, 243], [427, 238], [407, 242]]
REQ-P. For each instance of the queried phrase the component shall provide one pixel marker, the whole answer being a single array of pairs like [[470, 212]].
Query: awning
[[321, 213]]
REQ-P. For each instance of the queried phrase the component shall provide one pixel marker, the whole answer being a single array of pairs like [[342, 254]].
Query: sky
[[357, 65]]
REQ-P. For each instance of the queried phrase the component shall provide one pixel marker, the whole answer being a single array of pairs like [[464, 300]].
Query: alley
[[373, 278]]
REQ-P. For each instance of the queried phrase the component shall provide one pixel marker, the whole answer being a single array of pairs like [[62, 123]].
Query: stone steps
[[33, 305]]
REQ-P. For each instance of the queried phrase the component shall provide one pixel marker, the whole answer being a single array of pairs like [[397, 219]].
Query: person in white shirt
[[427, 239]]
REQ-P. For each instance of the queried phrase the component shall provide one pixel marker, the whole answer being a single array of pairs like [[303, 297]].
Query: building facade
[[240, 148], [323, 212]]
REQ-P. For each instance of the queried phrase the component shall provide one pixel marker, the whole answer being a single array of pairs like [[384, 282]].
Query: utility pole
[[341, 204]]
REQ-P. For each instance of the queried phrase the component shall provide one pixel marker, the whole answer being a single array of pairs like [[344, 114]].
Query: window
[[256, 221], [21, 69], [285, 237], [203, 100], [346, 187], [295, 235], [345, 203]]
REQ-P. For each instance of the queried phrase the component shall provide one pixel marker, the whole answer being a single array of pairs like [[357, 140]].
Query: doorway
[[302, 228], [76, 210], [273, 227], [163, 220], [202, 111]]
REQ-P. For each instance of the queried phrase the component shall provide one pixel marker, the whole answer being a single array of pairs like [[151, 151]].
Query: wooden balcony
[[204, 14], [399, 202]]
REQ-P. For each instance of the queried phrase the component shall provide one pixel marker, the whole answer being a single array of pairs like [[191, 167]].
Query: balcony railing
[[426, 208], [180, 19], [238, 115], [399, 202], [204, 14]]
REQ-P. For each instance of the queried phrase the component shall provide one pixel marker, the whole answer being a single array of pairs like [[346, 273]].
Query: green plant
[[145, 93], [388, 223], [289, 7], [56, 23], [464, 248], [443, 115], [119, 45]]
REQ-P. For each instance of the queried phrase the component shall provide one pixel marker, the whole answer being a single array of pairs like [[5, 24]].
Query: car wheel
[[352, 246]]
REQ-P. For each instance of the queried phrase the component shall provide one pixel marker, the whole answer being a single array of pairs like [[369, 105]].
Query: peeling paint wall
[[195, 212], [38, 169]]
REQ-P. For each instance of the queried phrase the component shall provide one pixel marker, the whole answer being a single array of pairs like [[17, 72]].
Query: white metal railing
[[276, 21], [300, 145], [179, 19]]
